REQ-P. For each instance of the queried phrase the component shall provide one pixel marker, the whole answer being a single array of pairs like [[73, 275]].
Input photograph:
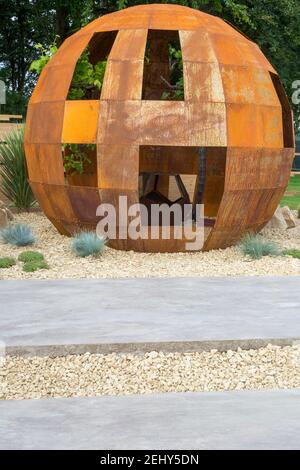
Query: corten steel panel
[[218, 239], [204, 54], [135, 41], [70, 51], [163, 122], [54, 84], [161, 245], [119, 122], [214, 189], [44, 122], [118, 166], [258, 168], [260, 125], [123, 80], [84, 202], [255, 205], [175, 160], [80, 122], [54, 200], [248, 85], [227, 50], [247, 116], [215, 25], [287, 113], [45, 163], [203, 82], [111, 196], [175, 21], [254, 56], [207, 124]]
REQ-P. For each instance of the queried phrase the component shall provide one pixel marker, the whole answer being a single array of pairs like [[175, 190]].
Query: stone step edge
[[141, 348]]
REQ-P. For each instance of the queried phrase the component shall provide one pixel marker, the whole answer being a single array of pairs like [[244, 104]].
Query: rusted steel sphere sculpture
[[223, 135]]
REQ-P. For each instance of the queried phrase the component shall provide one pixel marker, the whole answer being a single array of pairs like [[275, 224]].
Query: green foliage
[[33, 266], [13, 171], [6, 263], [294, 253], [122, 4], [74, 159], [28, 256], [45, 55], [87, 244], [298, 211], [18, 235], [256, 247], [176, 85], [87, 79]]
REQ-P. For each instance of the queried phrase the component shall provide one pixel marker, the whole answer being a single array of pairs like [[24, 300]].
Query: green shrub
[[293, 253], [28, 256], [18, 235], [256, 247], [13, 171], [7, 263], [87, 244], [32, 266]]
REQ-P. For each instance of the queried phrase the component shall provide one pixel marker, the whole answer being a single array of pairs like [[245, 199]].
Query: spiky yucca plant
[[13, 171]]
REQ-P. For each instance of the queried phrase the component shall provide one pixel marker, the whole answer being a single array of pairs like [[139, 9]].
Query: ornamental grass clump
[[87, 244], [33, 266], [6, 263], [256, 247], [18, 235], [28, 256]]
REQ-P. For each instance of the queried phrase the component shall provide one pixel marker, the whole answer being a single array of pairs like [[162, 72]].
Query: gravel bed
[[120, 264], [272, 367]]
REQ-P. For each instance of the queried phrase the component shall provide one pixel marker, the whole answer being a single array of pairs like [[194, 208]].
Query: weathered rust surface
[[80, 122], [234, 106]]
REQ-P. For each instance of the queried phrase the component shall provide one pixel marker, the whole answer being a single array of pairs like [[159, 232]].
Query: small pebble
[[154, 372]]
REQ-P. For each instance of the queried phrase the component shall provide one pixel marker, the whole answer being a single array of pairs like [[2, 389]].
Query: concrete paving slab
[[222, 420], [75, 316]]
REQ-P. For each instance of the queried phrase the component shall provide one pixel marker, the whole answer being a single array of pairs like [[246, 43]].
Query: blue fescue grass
[[18, 235], [87, 244], [256, 247]]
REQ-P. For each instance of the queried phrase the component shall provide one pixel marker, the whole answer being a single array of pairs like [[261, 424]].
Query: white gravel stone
[[113, 374], [120, 264]]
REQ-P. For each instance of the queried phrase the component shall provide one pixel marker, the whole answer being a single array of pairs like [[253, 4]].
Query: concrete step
[[221, 420], [110, 315]]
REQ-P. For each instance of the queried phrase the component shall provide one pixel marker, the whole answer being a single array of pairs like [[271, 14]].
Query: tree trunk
[[62, 24]]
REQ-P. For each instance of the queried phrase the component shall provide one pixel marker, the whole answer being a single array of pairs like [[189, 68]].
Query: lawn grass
[[292, 194]]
